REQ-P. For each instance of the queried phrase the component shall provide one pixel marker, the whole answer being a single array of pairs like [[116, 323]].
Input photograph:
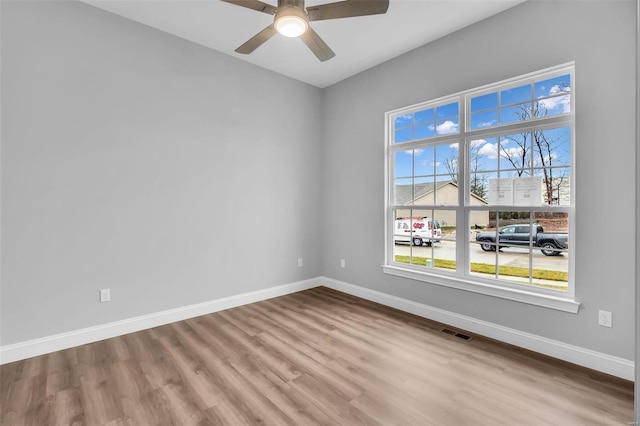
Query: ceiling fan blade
[[255, 5], [257, 40], [347, 9], [317, 45]]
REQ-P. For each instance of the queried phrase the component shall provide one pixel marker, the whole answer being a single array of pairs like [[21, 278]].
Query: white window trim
[[500, 291], [538, 297]]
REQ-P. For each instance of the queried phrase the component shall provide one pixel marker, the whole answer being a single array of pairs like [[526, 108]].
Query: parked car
[[519, 235], [417, 231]]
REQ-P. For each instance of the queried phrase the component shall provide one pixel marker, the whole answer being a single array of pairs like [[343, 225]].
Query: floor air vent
[[456, 334]]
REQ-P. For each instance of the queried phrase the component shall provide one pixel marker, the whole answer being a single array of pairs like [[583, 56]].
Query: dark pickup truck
[[550, 244]]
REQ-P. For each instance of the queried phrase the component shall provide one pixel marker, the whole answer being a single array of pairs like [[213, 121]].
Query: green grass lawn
[[485, 268]]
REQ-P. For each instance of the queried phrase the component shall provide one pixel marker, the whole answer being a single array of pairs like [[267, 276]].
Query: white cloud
[[489, 150], [474, 144], [557, 89], [548, 159], [559, 103], [447, 127], [511, 152], [487, 123], [405, 117], [477, 142], [412, 152]]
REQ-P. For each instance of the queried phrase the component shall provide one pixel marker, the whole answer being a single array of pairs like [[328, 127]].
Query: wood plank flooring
[[318, 357]]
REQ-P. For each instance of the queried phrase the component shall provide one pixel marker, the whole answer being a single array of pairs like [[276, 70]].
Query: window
[[480, 189]]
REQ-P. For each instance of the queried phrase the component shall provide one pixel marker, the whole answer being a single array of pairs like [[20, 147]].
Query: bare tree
[[478, 181], [518, 157], [539, 145], [451, 163]]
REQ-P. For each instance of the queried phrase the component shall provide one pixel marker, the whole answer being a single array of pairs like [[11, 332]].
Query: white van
[[417, 231]]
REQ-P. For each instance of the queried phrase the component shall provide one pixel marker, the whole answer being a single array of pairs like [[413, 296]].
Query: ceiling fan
[[291, 19]]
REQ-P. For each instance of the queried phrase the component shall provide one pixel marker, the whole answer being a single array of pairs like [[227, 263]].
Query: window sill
[[523, 296]]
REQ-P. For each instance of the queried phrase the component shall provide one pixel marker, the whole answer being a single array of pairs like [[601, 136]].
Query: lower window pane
[[410, 237], [529, 248], [418, 238], [482, 252], [551, 260], [444, 247], [513, 263]]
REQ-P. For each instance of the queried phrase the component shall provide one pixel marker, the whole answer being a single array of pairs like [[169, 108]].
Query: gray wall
[[137, 161], [600, 37]]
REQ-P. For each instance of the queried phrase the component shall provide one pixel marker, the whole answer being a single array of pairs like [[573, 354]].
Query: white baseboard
[[615, 366], [31, 348], [587, 358]]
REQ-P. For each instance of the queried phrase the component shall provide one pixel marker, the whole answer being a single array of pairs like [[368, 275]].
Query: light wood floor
[[314, 357]]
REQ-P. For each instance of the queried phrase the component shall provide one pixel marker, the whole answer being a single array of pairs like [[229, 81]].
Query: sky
[[552, 96]]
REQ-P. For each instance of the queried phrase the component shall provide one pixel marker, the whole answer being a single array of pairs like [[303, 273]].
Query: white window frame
[[461, 278]]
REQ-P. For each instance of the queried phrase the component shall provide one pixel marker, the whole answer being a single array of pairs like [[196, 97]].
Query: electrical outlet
[[343, 263], [604, 319], [300, 263], [105, 295]]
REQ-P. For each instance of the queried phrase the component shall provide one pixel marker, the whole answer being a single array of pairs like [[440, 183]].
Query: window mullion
[[462, 221]]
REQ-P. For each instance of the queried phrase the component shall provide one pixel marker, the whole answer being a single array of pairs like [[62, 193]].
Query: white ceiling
[[359, 43]]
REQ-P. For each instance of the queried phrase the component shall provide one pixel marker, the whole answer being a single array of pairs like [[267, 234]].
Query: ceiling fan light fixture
[[291, 26], [291, 22]]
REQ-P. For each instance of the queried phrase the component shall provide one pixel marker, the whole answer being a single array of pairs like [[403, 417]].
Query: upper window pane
[[425, 116], [424, 163], [423, 132], [403, 191], [427, 123], [552, 147], [483, 155], [555, 105], [530, 168], [403, 121], [531, 101], [484, 119], [515, 95], [514, 113], [448, 126], [403, 164], [556, 185], [447, 160], [487, 101], [449, 110], [404, 135], [515, 153], [424, 191], [552, 86]]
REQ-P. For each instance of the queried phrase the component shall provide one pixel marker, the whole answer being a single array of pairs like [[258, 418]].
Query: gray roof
[[405, 193]]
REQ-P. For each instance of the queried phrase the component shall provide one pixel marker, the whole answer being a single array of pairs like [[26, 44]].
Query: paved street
[[509, 256]]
